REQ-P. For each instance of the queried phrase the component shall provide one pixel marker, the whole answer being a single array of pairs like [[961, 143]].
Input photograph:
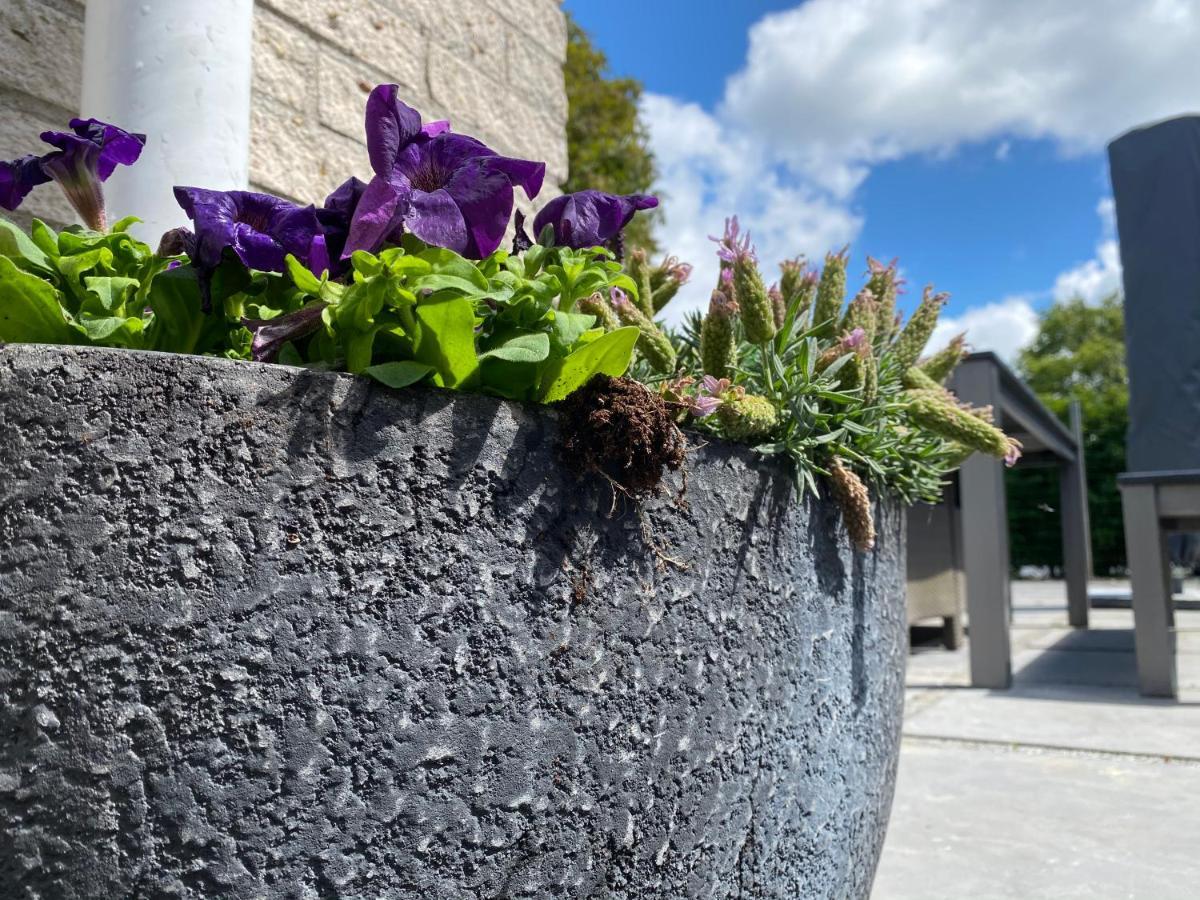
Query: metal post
[[1150, 577], [985, 541], [1076, 530], [179, 72]]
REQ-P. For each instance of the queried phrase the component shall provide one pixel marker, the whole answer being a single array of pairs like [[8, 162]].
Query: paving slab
[[989, 823]]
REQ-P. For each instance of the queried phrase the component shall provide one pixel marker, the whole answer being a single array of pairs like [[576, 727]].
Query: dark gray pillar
[[1076, 528], [985, 540]]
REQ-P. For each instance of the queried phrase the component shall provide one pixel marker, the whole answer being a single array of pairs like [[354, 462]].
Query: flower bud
[[885, 285], [718, 340], [652, 343], [758, 317], [746, 417], [666, 280], [778, 305], [917, 331], [855, 502], [638, 267], [831, 292], [936, 412], [939, 366], [597, 306]]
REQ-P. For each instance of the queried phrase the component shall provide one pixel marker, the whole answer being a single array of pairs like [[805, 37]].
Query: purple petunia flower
[[335, 217], [448, 189], [260, 230], [271, 334], [84, 157], [589, 218]]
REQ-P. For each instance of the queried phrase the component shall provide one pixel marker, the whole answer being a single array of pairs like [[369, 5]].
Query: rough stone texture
[[493, 68], [273, 633]]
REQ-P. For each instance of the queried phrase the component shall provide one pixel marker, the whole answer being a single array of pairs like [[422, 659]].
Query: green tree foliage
[[607, 142], [1078, 354]]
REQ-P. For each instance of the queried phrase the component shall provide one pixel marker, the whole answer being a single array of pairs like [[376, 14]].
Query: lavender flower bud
[[597, 306], [666, 280], [746, 417], [855, 501], [758, 318], [639, 270], [831, 292], [916, 332], [778, 305], [939, 366], [885, 285], [936, 412], [718, 340], [651, 343]]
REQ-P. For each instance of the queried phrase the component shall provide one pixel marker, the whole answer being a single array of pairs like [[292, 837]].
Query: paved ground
[[1070, 785]]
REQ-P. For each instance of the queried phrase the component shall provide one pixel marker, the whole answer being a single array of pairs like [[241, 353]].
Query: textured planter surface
[[272, 633]]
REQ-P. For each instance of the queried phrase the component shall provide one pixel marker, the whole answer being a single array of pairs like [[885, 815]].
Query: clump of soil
[[618, 429]]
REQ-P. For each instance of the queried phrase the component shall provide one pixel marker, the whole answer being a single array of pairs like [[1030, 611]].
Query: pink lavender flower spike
[[733, 244]]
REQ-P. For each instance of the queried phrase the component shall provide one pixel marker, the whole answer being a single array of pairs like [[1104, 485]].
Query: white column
[[178, 71]]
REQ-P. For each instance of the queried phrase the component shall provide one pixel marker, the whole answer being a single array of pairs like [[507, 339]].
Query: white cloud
[[832, 88], [1096, 278], [707, 173], [1003, 327], [838, 85]]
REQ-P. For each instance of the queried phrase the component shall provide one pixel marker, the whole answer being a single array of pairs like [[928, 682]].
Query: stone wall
[[493, 67]]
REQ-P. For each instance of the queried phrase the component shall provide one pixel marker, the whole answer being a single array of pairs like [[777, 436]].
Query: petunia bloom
[[260, 229], [448, 189], [589, 218], [271, 334], [84, 157]]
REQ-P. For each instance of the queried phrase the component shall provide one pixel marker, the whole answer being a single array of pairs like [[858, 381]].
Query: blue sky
[[966, 139]]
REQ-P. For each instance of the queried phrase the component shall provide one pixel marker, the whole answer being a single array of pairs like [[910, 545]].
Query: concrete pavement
[[1070, 785]]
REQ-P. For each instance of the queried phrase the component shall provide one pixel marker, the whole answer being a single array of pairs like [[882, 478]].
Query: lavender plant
[[837, 388]]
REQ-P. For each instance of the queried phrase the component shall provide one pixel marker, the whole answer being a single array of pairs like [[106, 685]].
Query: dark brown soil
[[617, 428]]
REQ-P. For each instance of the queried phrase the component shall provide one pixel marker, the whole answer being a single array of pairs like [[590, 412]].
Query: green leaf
[[111, 290], [399, 374], [569, 327], [16, 244], [523, 348], [440, 282], [178, 321], [301, 277], [31, 309], [607, 355], [45, 237], [124, 224], [445, 339], [114, 331]]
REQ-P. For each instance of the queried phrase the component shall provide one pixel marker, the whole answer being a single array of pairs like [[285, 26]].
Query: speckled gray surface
[[266, 633]]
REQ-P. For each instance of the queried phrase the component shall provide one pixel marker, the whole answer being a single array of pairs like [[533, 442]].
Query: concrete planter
[[270, 633]]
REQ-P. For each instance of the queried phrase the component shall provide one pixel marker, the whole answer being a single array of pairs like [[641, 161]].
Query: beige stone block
[[535, 132], [465, 92], [533, 72], [294, 156], [388, 37], [19, 130], [471, 31], [541, 20], [345, 84], [42, 52], [285, 61]]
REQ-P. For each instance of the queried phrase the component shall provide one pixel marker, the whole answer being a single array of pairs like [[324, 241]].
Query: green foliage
[[1078, 354], [607, 142], [506, 325], [101, 289], [818, 392]]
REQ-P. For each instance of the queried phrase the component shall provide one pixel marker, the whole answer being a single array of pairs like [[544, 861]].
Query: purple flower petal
[[391, 125], [117, 146], [380, 209], [435, 218], [18, 177], [485, 199], [271, 334], [589, 218]]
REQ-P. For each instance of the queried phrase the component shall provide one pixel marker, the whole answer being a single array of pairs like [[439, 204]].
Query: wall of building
[[493, 67]]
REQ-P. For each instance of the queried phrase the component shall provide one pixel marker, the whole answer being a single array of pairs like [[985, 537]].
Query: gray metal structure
[[1156, 184], [984, 380]]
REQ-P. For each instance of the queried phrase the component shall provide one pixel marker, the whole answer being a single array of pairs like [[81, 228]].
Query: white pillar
[[178, 71]]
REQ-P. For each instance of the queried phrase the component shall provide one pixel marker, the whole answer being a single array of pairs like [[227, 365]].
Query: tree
[[1078, 354], [607, 142]]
